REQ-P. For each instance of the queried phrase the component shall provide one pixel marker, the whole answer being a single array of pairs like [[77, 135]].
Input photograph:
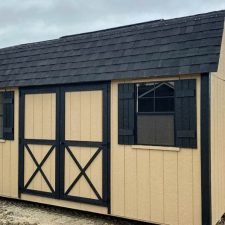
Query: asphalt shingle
[[157, 48]]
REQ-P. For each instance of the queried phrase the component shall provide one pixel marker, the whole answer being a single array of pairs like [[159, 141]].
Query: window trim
[[155, 147]]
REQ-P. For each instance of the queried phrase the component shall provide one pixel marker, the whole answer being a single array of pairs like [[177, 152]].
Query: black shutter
[[126, 113], [8, 115], [185, 113]]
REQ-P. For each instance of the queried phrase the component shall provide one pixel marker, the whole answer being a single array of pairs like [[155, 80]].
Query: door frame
[[60, 90]]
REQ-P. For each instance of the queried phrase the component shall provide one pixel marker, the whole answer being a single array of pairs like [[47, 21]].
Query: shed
[[128, 122]]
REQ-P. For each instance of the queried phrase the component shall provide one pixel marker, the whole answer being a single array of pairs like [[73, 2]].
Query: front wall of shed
[[160, 185], [9, 158]]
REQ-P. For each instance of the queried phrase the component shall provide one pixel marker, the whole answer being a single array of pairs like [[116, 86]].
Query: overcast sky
[[23, 21]]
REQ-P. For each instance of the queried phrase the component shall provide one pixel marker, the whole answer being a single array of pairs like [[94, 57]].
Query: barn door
[[85, 144], [64, 143], [39, 142]]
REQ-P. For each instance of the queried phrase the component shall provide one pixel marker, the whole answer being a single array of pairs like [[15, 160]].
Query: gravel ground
[[222, 221], [23, 213]]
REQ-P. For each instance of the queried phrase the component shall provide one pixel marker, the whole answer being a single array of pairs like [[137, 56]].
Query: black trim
[[82, 143], [40, 141], [108, 146], [8, 115], [39, 167], [58, 150], [61, 154], [21, 144], [126, 113], [38, 193], [205, 150], [186, 113], [86, 200], [83, 171]]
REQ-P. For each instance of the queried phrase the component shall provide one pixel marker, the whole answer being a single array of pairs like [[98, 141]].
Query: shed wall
[[217, 147], [217, 138], [157, 184], [9, 158]]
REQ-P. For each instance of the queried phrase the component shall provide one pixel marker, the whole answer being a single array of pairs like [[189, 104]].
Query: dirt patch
[[23, 213]]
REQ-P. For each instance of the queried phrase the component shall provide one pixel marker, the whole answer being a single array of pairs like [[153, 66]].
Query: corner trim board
[[205, 150]]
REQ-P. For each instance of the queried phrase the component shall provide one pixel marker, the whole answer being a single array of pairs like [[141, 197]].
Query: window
[[1, 115], [155, 113], [158, 113]]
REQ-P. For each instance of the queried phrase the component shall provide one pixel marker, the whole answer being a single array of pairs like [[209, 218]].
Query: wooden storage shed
[[128, 122]]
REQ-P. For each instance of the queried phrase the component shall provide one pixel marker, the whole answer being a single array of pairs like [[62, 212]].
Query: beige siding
[[217, 137], [9, 159], [40, 116], [83, 122], [217, 147], [156, 184]]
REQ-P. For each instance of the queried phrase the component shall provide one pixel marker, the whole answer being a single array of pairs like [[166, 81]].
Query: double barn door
[[64, 147]]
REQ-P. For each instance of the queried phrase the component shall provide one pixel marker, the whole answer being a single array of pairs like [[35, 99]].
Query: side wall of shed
[[157, 184], [218, 138], [9, 157]]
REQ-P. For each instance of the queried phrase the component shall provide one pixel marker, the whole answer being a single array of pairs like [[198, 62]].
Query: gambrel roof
[[184, 45]]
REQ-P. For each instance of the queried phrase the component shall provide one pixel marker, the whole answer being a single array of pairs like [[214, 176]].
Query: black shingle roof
[[158, 48]]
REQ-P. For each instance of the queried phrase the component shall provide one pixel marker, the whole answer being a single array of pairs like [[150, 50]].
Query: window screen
[[155, 130], [155, 113], [1, 116]]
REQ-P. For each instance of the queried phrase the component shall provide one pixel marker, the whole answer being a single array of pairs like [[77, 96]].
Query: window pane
[[155, 130], [156, 97], [164, 89], [146, 90], [164, 104], [146, 105]]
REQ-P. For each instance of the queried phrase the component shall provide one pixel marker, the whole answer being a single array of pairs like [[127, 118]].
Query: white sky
[[23, 21]]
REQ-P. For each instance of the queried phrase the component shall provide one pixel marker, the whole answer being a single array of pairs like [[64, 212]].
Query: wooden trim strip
[[205, 150]]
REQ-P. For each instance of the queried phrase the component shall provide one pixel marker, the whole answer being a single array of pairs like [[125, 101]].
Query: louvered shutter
[[185, 113], [8, 115], [126, 114]]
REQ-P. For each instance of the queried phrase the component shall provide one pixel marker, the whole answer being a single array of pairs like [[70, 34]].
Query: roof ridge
[[119, 29], [114, 28], [151, 22]]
